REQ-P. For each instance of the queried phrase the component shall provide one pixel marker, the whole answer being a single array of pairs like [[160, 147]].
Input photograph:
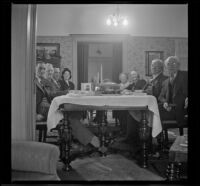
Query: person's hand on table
[[39, 117], [126, 91], [148, 90], [186, 103], [167, 107]]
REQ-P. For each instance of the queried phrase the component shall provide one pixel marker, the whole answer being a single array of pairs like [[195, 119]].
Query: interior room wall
[[66, 48], [135, 51], [153, 20]]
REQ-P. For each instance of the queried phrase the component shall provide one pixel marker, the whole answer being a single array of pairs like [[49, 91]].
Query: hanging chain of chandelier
[[116, 19]]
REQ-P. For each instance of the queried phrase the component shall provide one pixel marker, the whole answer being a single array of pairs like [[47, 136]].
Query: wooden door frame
[[23, 71], [98, 38]]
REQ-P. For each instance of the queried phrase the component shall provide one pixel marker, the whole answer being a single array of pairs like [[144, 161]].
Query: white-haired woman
[[124, 83]]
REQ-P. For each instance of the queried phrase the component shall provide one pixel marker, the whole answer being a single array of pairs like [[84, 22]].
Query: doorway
[[92, 56]]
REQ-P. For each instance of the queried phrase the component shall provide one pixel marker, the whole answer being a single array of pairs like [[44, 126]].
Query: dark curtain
[[117, 61], [82, 63]]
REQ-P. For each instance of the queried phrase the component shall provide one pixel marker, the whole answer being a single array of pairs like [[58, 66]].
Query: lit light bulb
[[108, 22], [125, 22], [115, 23]]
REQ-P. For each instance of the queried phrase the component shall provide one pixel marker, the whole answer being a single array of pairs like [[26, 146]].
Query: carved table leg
[[144, 136], [102, 130], [173, 171], [65, 143], [170, 173]]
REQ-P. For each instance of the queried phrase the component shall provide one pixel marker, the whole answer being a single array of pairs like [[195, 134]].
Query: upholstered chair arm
[[34, 156]]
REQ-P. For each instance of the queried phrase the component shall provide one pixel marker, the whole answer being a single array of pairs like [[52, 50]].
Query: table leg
[[173, 171], [144, 136], [170, 173], [65, 143], [102, 130]]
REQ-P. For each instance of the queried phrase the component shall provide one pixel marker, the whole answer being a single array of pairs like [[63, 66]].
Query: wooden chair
[[42, 127], [43, 135], [172, 124]]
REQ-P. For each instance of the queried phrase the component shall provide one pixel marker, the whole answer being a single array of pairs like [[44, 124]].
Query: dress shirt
[[155, 76], [172, 77]]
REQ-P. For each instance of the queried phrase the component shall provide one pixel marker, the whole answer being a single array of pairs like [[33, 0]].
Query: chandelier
[[116, 19]]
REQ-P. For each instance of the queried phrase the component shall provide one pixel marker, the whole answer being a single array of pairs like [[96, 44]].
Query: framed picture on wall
[[48, 53], [149, 56]]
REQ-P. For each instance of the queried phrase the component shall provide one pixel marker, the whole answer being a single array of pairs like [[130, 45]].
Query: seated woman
[[123, 77], [42, 106], [135, 83], [65, 83]]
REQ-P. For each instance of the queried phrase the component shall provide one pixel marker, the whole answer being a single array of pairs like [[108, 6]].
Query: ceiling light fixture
[[116, 19]]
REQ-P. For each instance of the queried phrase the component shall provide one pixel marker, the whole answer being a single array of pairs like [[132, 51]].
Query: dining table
[[142, 107]]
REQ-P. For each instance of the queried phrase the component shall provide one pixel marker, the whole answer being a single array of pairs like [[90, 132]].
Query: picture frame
[[48, 53], [149, 56], [86, 86]]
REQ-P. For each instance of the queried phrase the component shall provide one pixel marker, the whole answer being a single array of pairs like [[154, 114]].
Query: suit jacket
[[157, 84], [65, 86], [138, 86], [41, 93], [52, 88], [179, 93]]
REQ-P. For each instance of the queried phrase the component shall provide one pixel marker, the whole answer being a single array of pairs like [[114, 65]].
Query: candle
[[98, 77], [101, 74]]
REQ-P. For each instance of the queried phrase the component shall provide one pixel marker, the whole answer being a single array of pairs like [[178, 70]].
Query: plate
[[183, 145]]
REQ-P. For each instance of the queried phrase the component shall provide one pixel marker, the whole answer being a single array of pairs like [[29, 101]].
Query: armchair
[[34, 161]]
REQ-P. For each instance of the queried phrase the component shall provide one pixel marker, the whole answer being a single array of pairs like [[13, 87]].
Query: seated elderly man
[[157, 67], [154, 89], [174, 91], [43, 101], [126, 120], [56, 77], [135, 83], [155, 85], [50, 84]]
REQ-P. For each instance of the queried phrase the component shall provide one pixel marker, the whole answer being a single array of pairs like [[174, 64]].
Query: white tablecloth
[[54, 115]]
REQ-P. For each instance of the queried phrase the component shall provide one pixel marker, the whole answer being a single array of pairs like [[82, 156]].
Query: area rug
[[111, 167]]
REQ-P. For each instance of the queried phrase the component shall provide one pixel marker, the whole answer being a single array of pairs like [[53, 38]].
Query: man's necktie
[[172, 78]]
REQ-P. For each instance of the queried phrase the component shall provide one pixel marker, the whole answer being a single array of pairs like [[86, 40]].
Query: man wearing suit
[[56, 78], [42, 99], [52, 87], [154, 88], [42, 106], [174, 91], [158, 78]]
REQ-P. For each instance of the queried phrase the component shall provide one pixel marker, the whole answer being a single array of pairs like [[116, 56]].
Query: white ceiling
[[144, 19]]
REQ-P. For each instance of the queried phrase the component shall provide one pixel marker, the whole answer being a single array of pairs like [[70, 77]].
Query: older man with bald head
[[174, 91], [158, 77]]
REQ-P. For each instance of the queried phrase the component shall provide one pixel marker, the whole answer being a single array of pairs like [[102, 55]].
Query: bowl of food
[[139, 91]]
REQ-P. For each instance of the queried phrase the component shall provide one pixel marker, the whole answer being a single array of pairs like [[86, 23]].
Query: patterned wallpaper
[[136, 47], [66, 48]]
